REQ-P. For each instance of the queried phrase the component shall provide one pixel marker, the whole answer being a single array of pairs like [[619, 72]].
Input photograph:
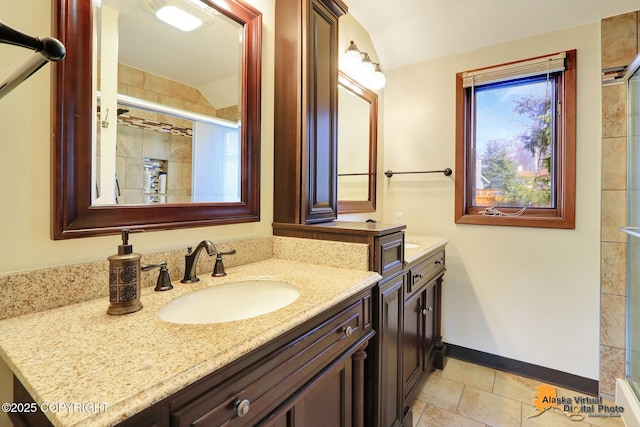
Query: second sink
[[229, 302]]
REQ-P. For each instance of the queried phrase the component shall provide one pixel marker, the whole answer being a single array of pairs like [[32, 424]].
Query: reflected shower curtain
[[216, 163]]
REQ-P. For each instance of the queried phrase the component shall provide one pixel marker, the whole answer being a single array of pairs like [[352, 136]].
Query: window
[[515, 143]]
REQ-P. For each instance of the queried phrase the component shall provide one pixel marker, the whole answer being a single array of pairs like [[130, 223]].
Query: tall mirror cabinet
[[305, 206]]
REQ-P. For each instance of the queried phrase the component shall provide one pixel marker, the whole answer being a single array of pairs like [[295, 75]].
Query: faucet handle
[[218, 268], [164, 281]]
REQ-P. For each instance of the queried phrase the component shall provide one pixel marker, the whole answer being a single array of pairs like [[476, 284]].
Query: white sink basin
[[225, 303]]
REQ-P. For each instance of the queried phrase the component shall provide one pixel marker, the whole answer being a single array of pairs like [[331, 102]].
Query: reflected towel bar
[[355, 174], [446, 172], [48, 49]]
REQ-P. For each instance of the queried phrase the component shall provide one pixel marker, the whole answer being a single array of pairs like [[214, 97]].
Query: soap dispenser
[[124, 279]]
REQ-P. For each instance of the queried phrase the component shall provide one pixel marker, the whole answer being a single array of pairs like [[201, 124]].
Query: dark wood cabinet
[[406, 315], [418, 338], [306, 96], [421, 341], [313, 374], [413, 340], [385, 409], [328, 400]]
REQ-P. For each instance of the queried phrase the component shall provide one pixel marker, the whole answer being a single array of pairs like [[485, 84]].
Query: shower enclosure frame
[[628, 390]]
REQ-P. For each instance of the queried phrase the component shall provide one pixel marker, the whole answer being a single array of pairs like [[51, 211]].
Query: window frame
[[563, 215]]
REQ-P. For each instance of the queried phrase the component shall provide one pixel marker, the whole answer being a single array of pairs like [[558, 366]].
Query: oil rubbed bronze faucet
[[191, 259], [164, 281], [218, 268]]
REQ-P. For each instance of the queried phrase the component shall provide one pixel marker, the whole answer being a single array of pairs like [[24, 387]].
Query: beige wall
[[527, 294], [25, 128]]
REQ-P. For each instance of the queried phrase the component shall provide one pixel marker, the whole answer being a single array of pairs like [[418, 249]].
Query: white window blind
[[529, 68]]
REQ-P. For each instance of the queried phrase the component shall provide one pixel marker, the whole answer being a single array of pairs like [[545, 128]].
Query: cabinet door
[[306, 96], [413, 340], [429, 324], [390, 342], [320, 201], [325, 401]]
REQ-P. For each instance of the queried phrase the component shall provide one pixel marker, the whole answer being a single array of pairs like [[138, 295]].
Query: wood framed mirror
[[357, 146], [76, 118]]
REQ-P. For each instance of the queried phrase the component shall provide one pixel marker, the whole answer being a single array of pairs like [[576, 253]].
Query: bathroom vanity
[[352, 349], [299, 365]]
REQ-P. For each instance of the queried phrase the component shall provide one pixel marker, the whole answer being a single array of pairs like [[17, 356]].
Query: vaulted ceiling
[[410, 31]]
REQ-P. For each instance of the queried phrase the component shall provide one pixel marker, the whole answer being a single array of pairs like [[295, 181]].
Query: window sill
[[519, 221]]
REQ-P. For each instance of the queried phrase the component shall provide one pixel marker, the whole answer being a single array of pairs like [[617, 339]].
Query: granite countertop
[[79, 355], [416, 246]]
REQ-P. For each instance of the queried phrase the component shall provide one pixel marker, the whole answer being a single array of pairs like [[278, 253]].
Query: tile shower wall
[[619, 38], [145, 134], [135, 144]]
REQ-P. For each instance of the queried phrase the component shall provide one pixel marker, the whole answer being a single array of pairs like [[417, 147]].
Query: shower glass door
[[633, 230]]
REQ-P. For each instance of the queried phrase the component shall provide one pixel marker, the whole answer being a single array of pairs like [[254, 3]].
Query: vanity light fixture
[[360, 66], [178, 18]]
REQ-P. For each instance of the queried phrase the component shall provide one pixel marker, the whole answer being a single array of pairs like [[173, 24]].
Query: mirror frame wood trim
[[73, 215], [357, 206]]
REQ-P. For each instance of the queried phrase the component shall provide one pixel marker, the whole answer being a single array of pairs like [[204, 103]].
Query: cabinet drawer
[[389, 254], [425, 271], [274, 377]]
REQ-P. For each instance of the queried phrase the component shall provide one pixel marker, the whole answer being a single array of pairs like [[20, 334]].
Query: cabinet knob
[[347, 331], [426, 310], [241, 407]]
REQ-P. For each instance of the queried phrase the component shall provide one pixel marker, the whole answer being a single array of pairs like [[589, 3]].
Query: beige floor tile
[[470, 374], [595, 421], [605, 422], [515, 387], [549, 418], [417, 408], [438, 417], [465, 394], [441, 392], [489, 408]]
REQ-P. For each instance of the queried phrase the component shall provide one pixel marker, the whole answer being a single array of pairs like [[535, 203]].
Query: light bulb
[[352, 57], [367, 70], [378, 80]]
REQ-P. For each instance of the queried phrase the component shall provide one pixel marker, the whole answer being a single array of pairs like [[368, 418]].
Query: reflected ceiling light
[[179, 18], [360, 66], [204, 7]]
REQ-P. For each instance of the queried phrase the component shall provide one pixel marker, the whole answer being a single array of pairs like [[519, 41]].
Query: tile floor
[[469, 395]]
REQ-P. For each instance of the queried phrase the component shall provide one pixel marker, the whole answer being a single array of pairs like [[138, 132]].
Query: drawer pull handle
[[347, 331], [241, 407], [417, 276], [440, 261]]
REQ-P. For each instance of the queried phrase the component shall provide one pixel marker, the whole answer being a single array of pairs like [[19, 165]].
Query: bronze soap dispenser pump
[[124, 279]]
